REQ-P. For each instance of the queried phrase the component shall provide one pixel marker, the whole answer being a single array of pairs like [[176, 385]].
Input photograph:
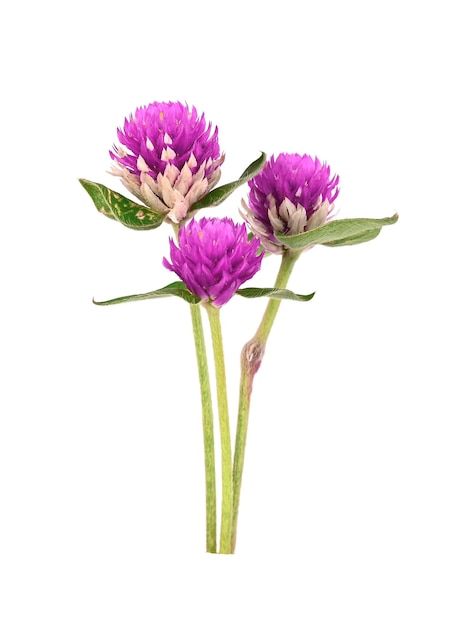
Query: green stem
[[208, 429], [251, 358], [208, 423], [224, 422], [288, 261]]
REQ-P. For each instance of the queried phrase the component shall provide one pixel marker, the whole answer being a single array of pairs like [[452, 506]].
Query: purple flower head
[[214, 258], [168, 158], [290, 195]]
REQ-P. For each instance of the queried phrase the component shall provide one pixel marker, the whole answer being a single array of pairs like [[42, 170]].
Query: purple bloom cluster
[[290, 195], [168, 157], [214, 258]]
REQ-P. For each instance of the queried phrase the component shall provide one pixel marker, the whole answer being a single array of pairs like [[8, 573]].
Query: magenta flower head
[[290, 195], [168, 158], [214, 258]]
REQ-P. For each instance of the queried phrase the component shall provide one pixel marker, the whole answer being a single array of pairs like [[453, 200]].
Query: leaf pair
[[180, 290], [139, 217]]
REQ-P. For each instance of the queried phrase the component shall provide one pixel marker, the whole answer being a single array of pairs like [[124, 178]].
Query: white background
[[352, 500]]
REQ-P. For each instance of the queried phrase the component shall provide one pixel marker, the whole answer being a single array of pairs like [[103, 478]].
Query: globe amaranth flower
[[214, 258], [168, 158], [290, 195]]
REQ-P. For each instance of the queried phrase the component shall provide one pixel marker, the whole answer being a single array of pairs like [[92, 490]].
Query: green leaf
[[117, 207], [368, 235], [177, 288], [219, 194], [348, 231], [276, 294]]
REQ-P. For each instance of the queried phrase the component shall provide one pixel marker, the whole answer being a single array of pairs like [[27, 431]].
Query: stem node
[[252, 355]]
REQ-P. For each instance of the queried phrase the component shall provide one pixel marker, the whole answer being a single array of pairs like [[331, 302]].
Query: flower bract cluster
[[214, 258], [290, 195], [169, 157]]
